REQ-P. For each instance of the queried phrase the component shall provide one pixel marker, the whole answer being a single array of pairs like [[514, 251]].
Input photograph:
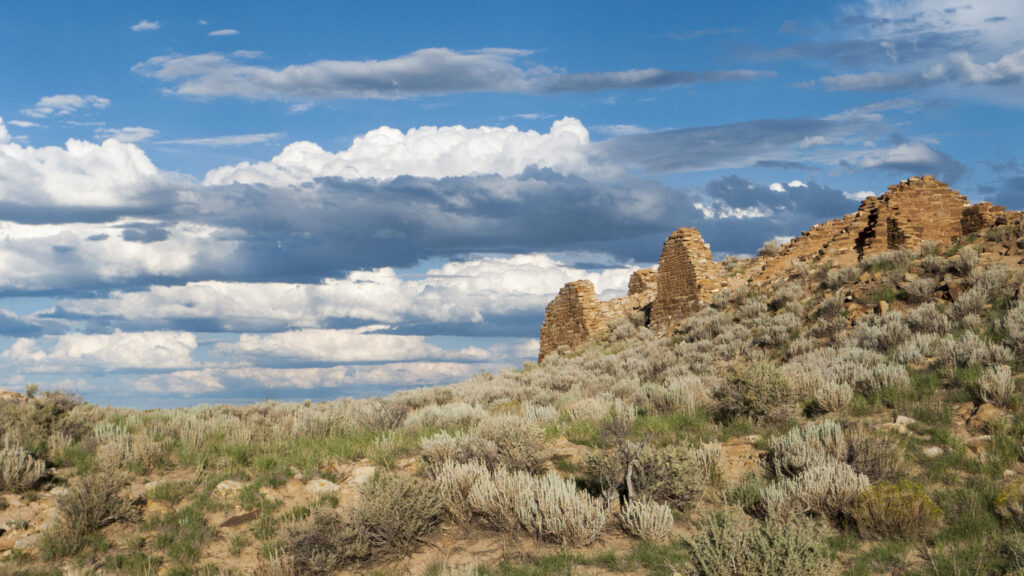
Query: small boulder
[[270, 494], [962, 412], [985, 418], [27, 542], [321, 486], [10, 395], [294, 486], [977, 444], [932, 451], [156, 508], [228, 489]]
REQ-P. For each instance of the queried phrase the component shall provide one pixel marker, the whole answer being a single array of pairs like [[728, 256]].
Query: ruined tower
[[685, 278]]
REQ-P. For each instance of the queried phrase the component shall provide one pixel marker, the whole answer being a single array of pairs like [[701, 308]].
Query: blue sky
[[204, 203]]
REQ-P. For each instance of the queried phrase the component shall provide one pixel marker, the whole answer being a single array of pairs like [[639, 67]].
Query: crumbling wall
[[981, 216], [686, 277], [571, 319], [643, 281], [914, 210], [576, 315]]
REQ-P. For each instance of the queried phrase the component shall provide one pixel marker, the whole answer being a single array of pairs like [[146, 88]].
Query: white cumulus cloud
[[59, 256], [127, 134], [366, 344], [461, 291], [859, 196], [121, 350], [145, 25], [81, 173], [189, 382], [64, 104], [429, 151]]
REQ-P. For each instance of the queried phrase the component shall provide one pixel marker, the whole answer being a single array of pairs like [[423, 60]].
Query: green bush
[[896, 510], [324, 543], [730, 543], [877, 456], [760, 392], [392, 514], [91, 503], [674, 475], [1009, 504], [396, 510]]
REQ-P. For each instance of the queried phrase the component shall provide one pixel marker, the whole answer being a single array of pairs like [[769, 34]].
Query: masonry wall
[[684, 269], [571, 319]]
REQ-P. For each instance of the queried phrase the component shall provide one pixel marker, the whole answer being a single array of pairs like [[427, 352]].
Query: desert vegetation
[[841, 420]]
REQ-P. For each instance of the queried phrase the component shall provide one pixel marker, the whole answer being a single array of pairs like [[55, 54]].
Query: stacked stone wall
[[686, 277], [981, 216], [571, 319], [914, 210]]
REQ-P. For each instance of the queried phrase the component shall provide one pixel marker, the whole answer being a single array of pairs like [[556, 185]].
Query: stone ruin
[[685, 275], [915, 210], [684, 280]]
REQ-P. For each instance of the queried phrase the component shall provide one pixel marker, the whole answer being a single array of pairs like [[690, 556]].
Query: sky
[[222, 202]]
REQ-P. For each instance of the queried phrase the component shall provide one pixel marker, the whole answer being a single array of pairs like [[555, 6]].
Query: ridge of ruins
[[916, 210]]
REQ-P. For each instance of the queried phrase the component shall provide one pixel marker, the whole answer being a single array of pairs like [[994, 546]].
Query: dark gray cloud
[[343, 224], [910, 157], [427, 72], [711, 147], [782, 165], [694, 34], [858, 53], [15, 326], [783, 211], [1010, 193], [144, 233]]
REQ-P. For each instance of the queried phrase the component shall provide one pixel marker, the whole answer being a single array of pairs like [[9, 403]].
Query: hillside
[[846, 403]]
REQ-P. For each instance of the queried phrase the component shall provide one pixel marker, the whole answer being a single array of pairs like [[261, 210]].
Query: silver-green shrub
[[547, 507], [834, 396], [1013, 325], [804, 448], [965, 261], [454, 481], [18, 469], [729, 543], [928, 319], [996, 386], [646, 519]]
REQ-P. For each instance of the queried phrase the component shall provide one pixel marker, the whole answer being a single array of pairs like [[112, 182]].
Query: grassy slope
[[752, 367]]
